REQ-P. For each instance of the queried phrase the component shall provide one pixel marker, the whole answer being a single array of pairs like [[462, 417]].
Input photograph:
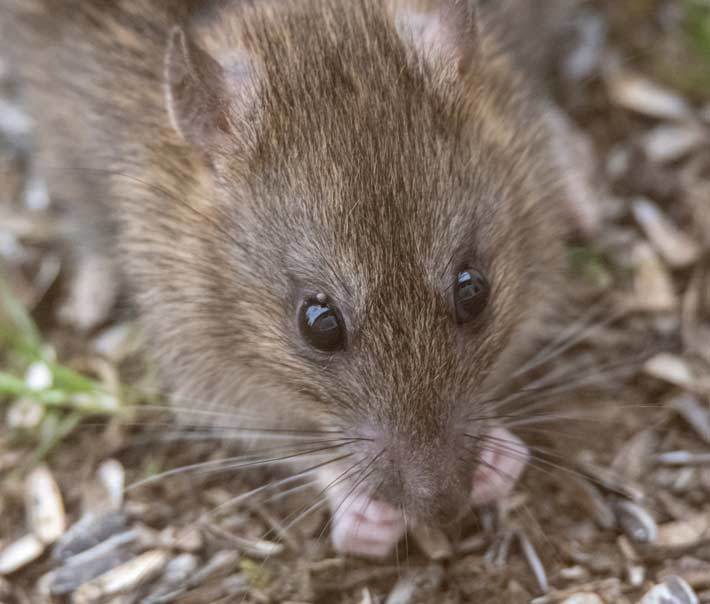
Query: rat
[[344, 216]]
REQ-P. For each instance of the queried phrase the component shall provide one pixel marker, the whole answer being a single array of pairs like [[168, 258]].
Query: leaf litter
[[627, 522]]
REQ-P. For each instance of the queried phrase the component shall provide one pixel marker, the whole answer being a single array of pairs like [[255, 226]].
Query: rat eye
[[321, 324], [470, 295]]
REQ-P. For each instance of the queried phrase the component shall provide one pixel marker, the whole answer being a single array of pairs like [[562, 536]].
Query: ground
[[616, 503]]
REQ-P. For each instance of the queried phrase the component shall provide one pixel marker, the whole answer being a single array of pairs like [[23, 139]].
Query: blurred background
[[80, 413]]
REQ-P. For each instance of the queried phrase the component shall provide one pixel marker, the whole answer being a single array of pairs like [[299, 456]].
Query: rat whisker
[[357, 483], [575, 333], [322, 499], [259, 462], [275, 484], [550, 468], [543, 386], [228, 415], [228, 464]]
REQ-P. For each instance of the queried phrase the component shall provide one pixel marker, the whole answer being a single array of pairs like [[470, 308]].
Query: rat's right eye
[[321, 324], [471, 294]]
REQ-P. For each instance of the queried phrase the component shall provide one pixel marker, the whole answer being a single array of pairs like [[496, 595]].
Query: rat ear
[[442, 32], [200, 95]]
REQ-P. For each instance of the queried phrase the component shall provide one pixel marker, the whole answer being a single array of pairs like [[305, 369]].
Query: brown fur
[[352, 165]]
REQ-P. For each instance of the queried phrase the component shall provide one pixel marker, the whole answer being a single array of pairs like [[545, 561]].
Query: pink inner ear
[[238, 71], [433, 34]]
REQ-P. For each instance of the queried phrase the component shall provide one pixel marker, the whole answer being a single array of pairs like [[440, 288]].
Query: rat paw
[[504, 458], [364, 527]]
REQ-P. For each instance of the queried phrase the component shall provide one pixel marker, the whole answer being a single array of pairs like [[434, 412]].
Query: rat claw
[[503, 461], [364, 527]]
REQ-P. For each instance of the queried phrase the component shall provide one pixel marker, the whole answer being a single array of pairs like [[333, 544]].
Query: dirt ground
[[615, 507]]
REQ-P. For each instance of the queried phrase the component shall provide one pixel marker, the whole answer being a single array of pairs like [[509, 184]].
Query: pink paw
[[503, 460], [364, 527]]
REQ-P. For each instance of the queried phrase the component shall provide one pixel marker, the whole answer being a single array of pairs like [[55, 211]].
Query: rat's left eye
[[471, 294]]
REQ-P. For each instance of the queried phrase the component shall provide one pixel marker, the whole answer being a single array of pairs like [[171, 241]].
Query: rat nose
[[428, 480]]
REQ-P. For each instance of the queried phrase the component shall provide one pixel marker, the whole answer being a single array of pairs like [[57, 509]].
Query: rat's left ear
[[444, 33]]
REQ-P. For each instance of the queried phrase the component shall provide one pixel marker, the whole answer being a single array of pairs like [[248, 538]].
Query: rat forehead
[[377, 256]]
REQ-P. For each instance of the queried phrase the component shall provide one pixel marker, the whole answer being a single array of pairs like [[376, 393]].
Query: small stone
[[38, 376], [113, 478], [636, 575], [44, 505], [636, 522], [673, 590], [20, 553], [25, 414]]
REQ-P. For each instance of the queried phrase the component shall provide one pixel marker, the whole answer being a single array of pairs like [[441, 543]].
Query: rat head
[[372, 233]]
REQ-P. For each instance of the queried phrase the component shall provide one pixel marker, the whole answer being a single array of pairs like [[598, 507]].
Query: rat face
[[378, 200]]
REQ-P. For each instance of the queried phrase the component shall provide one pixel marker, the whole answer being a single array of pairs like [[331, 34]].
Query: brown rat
[[338, 215]]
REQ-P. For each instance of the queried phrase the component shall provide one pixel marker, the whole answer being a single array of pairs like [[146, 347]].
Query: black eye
[[321, 324], [470, 295]]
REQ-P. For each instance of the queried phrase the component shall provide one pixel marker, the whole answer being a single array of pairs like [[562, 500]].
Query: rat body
[[338, 215]]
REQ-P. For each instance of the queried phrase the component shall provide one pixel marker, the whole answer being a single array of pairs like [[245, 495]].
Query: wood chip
[[44, 505], [670, 368], [693, 571], [694, 412], [403, 591], [174, 580], [367, 597], [586, 598], [682, 458], [684, 533], [534, 562], [633, 458], [669, 143], [433, 542], [20, 553], [677, 248], [605, 588], [90, 564], [653, 287], [122, 579], [636, 93], [89, 532]]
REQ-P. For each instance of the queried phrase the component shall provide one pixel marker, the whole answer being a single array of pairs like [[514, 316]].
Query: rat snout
[[425, 477]]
